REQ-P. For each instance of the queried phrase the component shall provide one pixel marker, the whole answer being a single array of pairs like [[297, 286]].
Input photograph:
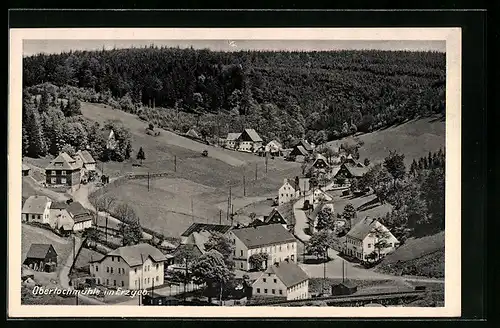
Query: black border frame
[[473, 24]]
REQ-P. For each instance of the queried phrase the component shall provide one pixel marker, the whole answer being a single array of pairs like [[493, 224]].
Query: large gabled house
[[288, 191], [41, 257], [284, 279], [85, 160], [249, 141], [283, 214], [272, 239], [36, 209], [349, 171], [231, 140], [63, 171], [69, 218], [362, 239]]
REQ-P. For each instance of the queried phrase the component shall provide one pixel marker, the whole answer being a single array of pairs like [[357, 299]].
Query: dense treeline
[[284, 94]]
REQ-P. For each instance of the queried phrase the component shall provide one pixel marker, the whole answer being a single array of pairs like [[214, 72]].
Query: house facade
[[349, 171], [320, 162], [41, 257], [320, 196], [284, 279], [361, 240], [283, 215], [85, 160], [274, 148], [231, 141], [63, 171], [288, 192], [69, 218], [272, 239], [249, 141], [36, 209], [25, 170], [131, 267]]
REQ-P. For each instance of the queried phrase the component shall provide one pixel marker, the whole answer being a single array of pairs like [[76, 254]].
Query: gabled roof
[[136, 254], [198, 239], [275, 143], [355, 170], [58, 205], [233, 136], [271, 234], [86, 157], [67, 163], [192, 133], [253, 135], [307, 146], [38, 251], [289, 273], [285, 211], [75, 209], [362, 228], [197, 227], [300, 150], [35, 204]]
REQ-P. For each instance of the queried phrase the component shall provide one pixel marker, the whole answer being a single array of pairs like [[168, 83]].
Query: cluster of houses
[[63, 217]]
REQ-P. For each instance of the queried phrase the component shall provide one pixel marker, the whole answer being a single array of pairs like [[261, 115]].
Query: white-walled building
[[361, 240], [130, 267], [288, 192], [85, 160], [284, 279], [321, 196], [36, 209], [272, 239], [73, 217]]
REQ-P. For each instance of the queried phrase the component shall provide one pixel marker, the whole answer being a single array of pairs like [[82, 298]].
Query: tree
[[221, 243], [380, 235], [211, 270], [354, 185], [131, 233], [140, 155], [125, 213], [256, 260], [366, 162], [325, 219], [319, 244], [68, 149], [394, 163], [349, 213]]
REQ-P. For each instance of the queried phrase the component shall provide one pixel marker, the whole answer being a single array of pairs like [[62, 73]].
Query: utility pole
[[106, 230], [220, 216], [266, 161], [148, 180], [175, 163], [244, 186], [255, 171], [192, 211]]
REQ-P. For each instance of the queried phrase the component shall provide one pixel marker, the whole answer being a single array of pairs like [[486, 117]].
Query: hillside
[[420, 257], [414, 139]]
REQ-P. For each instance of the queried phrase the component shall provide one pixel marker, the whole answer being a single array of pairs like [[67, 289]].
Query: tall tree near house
[[319, 244], [68, 149], [140, 155], [394, 163], [381, 236], [325, 219], [256, 260], [211, 270], [349, 213], [131, 233], [125, 213], [103, 203], [221, 243]]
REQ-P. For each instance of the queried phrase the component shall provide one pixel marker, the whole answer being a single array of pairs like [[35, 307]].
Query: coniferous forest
[[283, 95]]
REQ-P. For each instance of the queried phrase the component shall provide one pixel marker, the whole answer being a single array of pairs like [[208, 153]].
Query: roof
[[75, 208], [301, 150], [347, 284], [276, 143], [67, 162], [233, 136], [289, 273], [253, 135], [258, 236], [38, 251], [86, 157], [25, 167], [355, 170], [362, 228], [134, 255], [35, 204], [58, 205], [286, 212], [192, 133], [306, 145], [197, 227], [198, 239]]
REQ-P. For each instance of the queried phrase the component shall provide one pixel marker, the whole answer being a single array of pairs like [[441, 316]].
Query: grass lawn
[[365, 205], [414, 139]]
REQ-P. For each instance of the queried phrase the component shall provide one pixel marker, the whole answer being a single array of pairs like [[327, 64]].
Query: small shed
[[41, 257], [157, 299], [25, 170], [344, 288]]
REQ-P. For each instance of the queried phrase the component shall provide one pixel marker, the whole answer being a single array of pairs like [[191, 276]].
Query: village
[[311, 245]]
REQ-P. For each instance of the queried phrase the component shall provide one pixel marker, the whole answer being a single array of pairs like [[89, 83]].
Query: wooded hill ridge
[[284, 95]]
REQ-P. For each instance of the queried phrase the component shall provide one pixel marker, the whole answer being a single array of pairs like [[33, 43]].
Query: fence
[[132, 176]]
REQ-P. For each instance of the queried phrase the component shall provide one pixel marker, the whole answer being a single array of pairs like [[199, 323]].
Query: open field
[[366, 205], [422, 256], [414, 139]]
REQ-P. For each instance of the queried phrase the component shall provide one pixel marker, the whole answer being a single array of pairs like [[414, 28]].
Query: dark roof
[[299, 150], [306, 145], [85, 156], [35, 204], [347, 284], [75, 209], [197, 227], [67, 163], [252, 134], [257, 222], [58, 205], [356, 170], [134, 255], [362, 228], [286, 212], [258, 236], [288, 272], [38, 251]]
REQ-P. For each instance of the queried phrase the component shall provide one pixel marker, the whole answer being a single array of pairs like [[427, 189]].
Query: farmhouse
[[69, 218], [85, 160], [274, 148], [130, 267], [231, 140], [283, 215], [306, 145], [249, 141], [80, 215], [284, 279], [41, 257], [364, 237], [25, 170], [320, 162], [272, 239], [320, 196], [298, 151], [349, 171], [199, 227], [288, 192], [63, 171], [36, 209]]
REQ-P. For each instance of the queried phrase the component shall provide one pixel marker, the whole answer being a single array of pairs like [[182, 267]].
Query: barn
[[41, 257], [344, 288]]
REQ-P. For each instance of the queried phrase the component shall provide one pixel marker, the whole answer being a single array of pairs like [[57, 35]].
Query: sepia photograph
[[240, 168]]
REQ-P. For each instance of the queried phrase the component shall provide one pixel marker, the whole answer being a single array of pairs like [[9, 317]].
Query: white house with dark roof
[[284, 279], [231, 140], [288, 192], [361, 240], [274, 147], [130, 267], [272, 239], [69, 218], [36, 209], [249, 141]]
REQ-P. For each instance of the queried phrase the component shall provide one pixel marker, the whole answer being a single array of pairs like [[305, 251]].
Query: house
[[299, 151], [85, 160], [320, 162], [199, 227], [348, 171], [69, 218], [283, 214], [344, 288], [273, 239], [312, 218], [41, 257], [274, 148], [111, 142], [36, 209], [63, 171], [130, 267], [82, 219], [362, 239], [283, 279], [249, 141], [25, 170], [59, 217], [320, 196], [231, 140], [288, 192], [193, 134], [306, 145]]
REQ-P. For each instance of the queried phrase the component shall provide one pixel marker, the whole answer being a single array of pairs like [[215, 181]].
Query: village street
[[301, 222]]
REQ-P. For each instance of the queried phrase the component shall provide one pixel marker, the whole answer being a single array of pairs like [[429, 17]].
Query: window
[[111, 269], [273, 291], [292, 257], [112, 258], [280, 247], [157, 266], [157, 278], [96, 268], [118, 259], [241, 265], [268, 274], [53, 180], [53, 172], [123, 283], [274, 280], [145, 280], [265, 291], [234, 253], [135, 270], [264, 279], [369, 245], [281, 292], [107, 269], [107, 281], [63, 180], [114, 282], [258, 290], [241, 252]]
